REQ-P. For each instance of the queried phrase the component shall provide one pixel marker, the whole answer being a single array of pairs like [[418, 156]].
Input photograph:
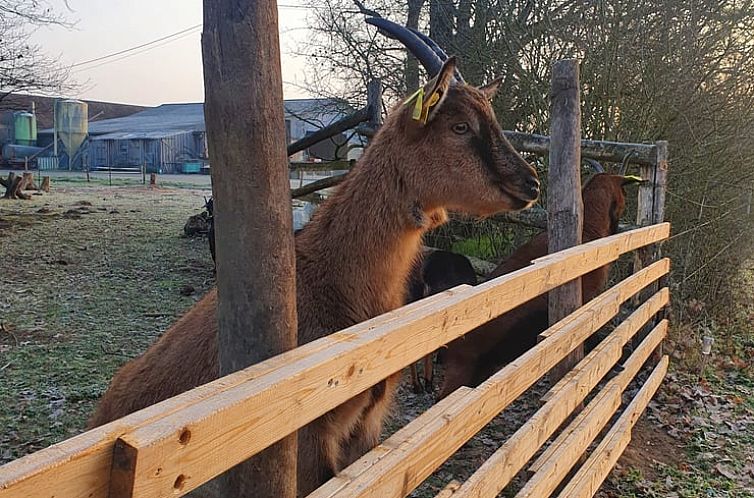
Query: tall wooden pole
[[651, 210], [253, 224], [564, 204]]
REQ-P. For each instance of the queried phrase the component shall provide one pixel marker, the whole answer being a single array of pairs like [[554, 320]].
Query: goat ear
[[427, 100], [490, 89], [630, 180]]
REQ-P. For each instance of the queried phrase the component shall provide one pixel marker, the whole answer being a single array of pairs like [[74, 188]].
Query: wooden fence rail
[[177, 445]]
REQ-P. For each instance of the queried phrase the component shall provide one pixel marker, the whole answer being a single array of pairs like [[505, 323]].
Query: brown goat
[[469, 360], [354, 257]]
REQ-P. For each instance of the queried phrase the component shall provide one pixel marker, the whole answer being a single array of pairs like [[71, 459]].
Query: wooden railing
[[175, 446]]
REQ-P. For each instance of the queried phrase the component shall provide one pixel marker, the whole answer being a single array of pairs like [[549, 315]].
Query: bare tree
[[24, 67]]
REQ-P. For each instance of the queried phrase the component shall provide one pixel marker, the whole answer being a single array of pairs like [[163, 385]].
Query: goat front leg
[[368, 432]]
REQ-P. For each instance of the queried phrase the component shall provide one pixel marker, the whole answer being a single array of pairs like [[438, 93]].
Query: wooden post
[[144, 172], [651, 210], [374, 103], [564, 203], [152, 179], [252, 206]]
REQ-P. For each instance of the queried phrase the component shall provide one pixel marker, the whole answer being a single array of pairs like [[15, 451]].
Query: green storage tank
[[25, 128]]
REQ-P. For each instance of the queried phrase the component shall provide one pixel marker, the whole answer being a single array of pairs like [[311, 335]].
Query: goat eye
[[460, 128]]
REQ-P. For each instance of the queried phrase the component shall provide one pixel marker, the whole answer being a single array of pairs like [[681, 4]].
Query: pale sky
[[169, 71]]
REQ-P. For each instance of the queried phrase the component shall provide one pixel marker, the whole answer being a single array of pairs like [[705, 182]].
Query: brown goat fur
[[469, 360], [353, 260]]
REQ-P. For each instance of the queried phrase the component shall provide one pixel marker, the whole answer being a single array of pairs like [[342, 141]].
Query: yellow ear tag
[[431, 102], [631, 178], [418, 99]]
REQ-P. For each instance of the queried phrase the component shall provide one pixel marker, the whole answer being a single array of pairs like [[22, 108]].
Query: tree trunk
[[253, 222], [441, 20], [14, 186], [412, 65]]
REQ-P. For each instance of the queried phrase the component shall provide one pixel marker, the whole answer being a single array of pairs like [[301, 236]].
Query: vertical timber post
[[254, 228], [374, 103], [650, 211], [564, 204]]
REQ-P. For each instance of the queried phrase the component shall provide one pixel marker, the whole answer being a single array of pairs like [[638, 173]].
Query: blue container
[[191, 167]]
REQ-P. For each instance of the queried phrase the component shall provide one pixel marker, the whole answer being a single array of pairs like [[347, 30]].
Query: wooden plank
[[664, 266], [511, 457], [81, 465], [553, 465], [582, 431], [401, 471], [401, 438], [565, 207], [588, 479], [330, 130]]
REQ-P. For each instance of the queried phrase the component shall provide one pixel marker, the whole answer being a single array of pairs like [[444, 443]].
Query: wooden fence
[[177, 445]]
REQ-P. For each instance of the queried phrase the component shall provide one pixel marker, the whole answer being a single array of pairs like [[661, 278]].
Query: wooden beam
[[553, 464], [327, 182], [256, 259], [565, 207], [331, 130], [590, 476], [400, 472], [600, 150], [594, 149], [511, 457]]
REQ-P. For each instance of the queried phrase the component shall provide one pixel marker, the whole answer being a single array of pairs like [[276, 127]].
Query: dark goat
[[437, 272], [469, 360]]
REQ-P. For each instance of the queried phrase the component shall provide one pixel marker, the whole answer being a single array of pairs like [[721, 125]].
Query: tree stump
[[29, 179], [153, 179], [45, 187], [14, 186]]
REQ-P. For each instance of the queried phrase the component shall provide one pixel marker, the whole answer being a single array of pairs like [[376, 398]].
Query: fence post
[[253, 221], [374, 103], [651, 210], [564, 203]]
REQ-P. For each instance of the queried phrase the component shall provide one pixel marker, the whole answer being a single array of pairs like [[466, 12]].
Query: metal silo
[[71, 124], [24, 128]]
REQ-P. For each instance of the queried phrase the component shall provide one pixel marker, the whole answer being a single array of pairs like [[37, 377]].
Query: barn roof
[[172, 119]]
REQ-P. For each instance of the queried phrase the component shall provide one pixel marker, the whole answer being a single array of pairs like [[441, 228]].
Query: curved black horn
[[416, 45], [597, 167], [438, 50], [626, 160]]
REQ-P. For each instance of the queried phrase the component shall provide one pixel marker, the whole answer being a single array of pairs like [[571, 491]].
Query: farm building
[[171, 138]]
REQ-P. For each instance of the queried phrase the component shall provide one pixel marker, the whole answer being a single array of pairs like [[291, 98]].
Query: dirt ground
[[93, 274]]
